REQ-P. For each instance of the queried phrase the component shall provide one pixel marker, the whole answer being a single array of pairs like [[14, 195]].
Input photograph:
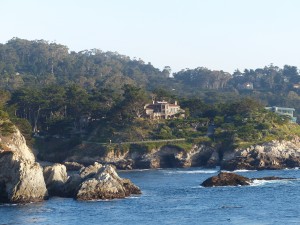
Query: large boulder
[[55, 177], [72, 185], [232, 179], [21, 178], [226, 179], [106, 184]]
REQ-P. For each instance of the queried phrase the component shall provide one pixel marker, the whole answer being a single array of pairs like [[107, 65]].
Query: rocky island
[[232, 179]]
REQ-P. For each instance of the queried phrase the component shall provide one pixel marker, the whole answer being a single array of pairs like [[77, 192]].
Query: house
[[283, 111], [296, 86], [163, 110], [245, 86]]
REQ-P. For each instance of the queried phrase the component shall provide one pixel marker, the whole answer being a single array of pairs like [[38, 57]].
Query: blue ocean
[[174, 196]]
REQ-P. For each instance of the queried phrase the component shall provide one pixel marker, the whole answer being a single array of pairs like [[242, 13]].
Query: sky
[[217, 34]]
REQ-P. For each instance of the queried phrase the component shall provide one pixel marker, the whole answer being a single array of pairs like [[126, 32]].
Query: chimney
[[175, 102]]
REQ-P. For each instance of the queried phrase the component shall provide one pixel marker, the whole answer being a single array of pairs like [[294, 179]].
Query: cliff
[[21, 178], [165, 156], [270, 155]]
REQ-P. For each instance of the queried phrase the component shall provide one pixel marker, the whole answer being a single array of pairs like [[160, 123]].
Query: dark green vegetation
[[68, 97]]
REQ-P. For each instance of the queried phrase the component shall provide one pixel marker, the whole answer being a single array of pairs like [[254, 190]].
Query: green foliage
[[6, 128]]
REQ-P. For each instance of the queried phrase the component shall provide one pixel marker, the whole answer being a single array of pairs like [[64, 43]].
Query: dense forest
[[47, 90]]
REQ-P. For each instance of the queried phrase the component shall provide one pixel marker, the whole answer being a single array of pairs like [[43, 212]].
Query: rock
[[270, 155], [232, 179], [124, 164], [226, 179], [73, 166], [72, 185], [90, 171], [106, 184], [55, 177], [21, 178], [147, 162], [167, 156]]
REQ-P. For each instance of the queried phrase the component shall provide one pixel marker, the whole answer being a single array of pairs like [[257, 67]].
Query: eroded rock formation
[[106, 184], [55, 177], [93, 182], [167, 156], [21, 178], [270, 155]]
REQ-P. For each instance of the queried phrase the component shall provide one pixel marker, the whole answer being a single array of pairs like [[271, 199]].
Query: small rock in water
[[226, 179], [232, 179]]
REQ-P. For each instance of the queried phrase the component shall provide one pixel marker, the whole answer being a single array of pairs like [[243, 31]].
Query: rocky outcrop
[[232, 179], [226, 179], [55, 178], [98, 182], [167, 156], [270, 155], [73, 166], [90, 171], [21, 178], [106, 184]]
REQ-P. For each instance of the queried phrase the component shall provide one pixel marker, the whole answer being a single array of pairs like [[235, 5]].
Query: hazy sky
[[217, 34]]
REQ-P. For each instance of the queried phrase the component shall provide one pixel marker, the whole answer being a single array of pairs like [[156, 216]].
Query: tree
[[132, 105], [4, 97]]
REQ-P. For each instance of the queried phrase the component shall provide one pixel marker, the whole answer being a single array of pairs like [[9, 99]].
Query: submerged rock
[[226, 179], [21, 178]]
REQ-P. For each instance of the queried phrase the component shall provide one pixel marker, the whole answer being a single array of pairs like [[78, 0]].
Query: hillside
[[66, 98]]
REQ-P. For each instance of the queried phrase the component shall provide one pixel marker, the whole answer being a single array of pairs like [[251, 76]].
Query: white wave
[[9, 204], [264, 182], [133, 170], [296, 168], [243, 171], [191, 171], [130, 197]]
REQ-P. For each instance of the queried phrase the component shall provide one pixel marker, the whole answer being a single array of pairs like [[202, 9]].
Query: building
[[284, 111], [245, 86], [296, 86], [163, 110]]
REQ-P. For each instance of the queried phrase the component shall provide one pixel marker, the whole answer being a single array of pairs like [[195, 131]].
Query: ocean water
[[174, 196]]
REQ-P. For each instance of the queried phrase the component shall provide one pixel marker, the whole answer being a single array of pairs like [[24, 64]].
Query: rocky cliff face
[[165, 157], [21, 178], [270, 155]]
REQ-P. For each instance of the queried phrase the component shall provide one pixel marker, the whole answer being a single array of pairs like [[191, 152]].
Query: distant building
[[296, 86], [245, 86], [283, 111], [163, 110]]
